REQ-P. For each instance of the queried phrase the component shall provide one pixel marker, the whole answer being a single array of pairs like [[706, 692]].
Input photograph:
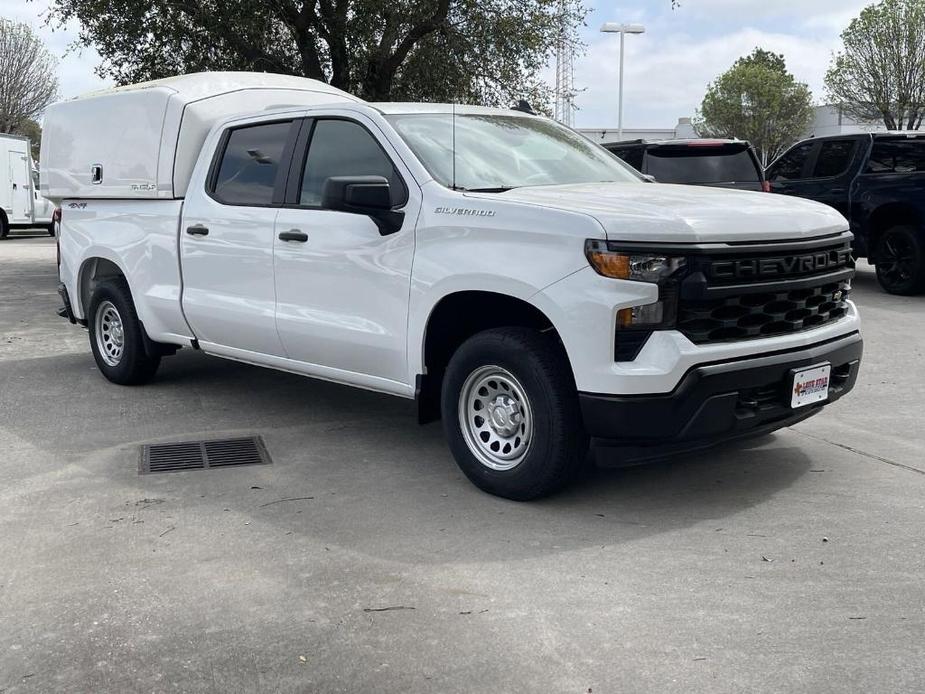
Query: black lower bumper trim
[[718, 402]]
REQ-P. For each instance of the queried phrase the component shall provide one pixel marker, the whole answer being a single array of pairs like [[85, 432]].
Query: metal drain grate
[[202, 455]]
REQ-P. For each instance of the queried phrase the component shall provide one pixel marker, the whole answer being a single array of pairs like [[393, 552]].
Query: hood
[[661, 212]]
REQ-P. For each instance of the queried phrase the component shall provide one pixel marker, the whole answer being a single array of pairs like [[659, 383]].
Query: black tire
[[558, 445], [901, 260], [4, 226], [51, 229], [133, 365]]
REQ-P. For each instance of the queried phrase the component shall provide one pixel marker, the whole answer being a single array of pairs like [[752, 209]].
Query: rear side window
[[698, 164], [790, 166], [250, 163], [897, 156], [345, 148], [631, 155], [834, 158]]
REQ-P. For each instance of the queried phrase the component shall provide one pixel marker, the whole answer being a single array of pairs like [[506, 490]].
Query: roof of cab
[[391, 108]]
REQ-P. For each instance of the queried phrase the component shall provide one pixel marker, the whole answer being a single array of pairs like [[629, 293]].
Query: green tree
[[757, 100], [489, 51], [880, 72], [28, 81]]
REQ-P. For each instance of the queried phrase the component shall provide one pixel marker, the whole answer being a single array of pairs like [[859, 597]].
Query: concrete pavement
[[362, 560]]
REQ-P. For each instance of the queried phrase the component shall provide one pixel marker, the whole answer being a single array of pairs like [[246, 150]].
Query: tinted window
[[698, 164], [790, 166], [345, 148], [897, 156], [631, 155], [834, 158], [250, 163]]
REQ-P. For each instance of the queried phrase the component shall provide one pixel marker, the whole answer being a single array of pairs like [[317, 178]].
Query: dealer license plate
[[810, 385]]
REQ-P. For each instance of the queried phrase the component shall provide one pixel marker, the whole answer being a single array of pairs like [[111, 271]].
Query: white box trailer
[[21, 206], [143, 140]]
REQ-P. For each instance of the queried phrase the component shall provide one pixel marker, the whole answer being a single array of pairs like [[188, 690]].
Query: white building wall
[[830, 120], [683, 130], [827, 120]]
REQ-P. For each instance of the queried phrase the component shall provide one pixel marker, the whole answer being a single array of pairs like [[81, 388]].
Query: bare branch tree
[[28, 81], [880, 73]]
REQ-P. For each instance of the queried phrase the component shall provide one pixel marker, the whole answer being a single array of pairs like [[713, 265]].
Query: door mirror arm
[[367, 195]]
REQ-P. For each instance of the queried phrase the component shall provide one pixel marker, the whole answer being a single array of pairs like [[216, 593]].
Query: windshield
[[497, 152], [702, 165]]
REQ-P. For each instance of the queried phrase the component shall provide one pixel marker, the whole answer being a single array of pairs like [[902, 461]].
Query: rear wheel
[[901, 260], [4, 227], [51, 229], [511, 414], [116, 336]]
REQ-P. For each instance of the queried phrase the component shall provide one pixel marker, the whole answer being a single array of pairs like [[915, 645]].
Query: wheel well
[[92, 272], [456, 318], [885, 217]]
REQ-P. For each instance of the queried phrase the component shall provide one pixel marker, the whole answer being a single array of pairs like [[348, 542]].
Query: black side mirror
[[369, 195]]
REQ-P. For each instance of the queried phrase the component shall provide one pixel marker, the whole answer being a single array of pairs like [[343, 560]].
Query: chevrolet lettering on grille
[[753, 268]]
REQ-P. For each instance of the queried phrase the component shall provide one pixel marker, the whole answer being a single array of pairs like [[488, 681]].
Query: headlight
[[609, 261], [635, 323]]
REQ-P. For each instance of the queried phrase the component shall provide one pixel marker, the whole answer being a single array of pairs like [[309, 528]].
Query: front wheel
[[116, 336], [4, 227], [901, 260], [511, 413]]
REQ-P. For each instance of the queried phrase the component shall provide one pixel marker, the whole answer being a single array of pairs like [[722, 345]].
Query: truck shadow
[[368, 478]]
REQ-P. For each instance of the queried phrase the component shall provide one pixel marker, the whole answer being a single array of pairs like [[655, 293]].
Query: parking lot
[[362, 560]]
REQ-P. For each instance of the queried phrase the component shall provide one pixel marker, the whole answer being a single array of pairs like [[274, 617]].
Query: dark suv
[[722, 163], [878, 182]]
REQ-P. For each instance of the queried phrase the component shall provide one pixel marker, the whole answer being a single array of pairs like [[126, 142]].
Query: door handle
[[197, 230], [293, 235]]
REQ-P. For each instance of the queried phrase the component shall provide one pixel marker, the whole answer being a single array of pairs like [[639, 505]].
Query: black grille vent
[[202, 455], [763, 314], [740, 293]]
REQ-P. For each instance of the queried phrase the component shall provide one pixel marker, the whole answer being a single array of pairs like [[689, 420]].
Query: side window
[[790, 166], [250, 163], [897, 156], [345, 148], [834, 158]]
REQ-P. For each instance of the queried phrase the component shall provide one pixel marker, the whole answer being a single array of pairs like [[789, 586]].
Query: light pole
[[623, 30]]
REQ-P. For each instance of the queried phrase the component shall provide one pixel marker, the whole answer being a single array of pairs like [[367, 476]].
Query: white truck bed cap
[[143, 140]]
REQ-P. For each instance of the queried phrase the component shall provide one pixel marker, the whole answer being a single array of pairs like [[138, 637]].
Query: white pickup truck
[[519, 281]]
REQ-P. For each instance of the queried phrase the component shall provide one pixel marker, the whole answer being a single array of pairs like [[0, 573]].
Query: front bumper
[[717, 402]]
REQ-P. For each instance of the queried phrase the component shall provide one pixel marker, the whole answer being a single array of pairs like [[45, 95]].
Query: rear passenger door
[[226, 241]]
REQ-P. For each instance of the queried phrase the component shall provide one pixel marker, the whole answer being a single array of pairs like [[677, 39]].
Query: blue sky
[[667, 68]]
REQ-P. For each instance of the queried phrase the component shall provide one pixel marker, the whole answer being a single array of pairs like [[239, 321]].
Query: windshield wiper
[[499, 189]]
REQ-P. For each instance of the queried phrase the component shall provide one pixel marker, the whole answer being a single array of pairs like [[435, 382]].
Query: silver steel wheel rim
[[496, 417], [110, 333]]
